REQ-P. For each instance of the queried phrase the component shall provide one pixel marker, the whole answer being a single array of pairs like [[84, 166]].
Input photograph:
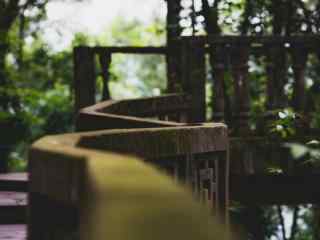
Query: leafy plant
[[284, 125]]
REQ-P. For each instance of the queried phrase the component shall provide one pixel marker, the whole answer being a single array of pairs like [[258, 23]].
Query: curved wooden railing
[[90, 189], [154, 113], [135, 113], [253, 147], [80, 191]]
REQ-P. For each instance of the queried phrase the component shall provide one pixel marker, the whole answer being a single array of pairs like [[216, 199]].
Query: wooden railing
[[85, 76], [231, 54], [154, 113], [135, 113], [85, 73], [80, 190], [252, 150]]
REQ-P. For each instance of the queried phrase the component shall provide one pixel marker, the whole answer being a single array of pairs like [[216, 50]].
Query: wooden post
[[222, 185], [299, 58], [84, 77], [239, 61], [194, 77], [173, 32], [218, 88], [276, 71], [105, 61]]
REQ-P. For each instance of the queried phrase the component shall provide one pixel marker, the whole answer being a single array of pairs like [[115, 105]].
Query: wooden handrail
[[88, 193], [133, 113]]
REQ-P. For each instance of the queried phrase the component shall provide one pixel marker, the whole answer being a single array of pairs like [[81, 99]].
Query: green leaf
[[313, 143], [297, 150]]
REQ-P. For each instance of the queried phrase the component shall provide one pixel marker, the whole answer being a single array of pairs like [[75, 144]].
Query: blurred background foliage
[[39, 92]]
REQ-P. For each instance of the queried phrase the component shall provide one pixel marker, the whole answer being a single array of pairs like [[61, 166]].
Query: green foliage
[[132, 75], [311, 151], [39, 99], [284, 125]]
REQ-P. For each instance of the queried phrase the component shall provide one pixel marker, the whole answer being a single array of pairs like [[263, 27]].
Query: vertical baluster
[[195, 174], [218, 87], [276, 71], [222, 167], [299, 60], [176, 170], [188, 173], [194, 77], [105, 61], [239, 61], [217, 190]]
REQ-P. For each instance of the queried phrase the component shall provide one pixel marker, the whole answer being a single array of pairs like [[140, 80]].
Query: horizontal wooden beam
[[150, 107], [131, 50], [275, 189], [218, 39], [16, 182]]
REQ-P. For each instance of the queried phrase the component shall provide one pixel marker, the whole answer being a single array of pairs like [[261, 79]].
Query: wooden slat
[[14, 182], [12, 207], [13, 199], [13, 232]]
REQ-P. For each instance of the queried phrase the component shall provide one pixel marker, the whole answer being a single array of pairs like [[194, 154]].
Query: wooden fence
[[83, 186], [230, 56]]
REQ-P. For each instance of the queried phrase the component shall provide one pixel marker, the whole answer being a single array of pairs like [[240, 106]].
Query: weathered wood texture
[[135, 113], [174, 30], [13, 206], [84, 77], [232, 54], [90, 194], [194, 77], [14, 182], [159, 140], [178, 57], [13, 232], [13, 198], [220, 66], [156, 143]]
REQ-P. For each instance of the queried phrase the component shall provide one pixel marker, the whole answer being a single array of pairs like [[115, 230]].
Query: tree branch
[[294, 226], [283, 229]]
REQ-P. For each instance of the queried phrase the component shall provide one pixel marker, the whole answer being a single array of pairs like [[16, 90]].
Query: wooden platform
[[13, 207], [13, 232], [17, 182], [13, 198]]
